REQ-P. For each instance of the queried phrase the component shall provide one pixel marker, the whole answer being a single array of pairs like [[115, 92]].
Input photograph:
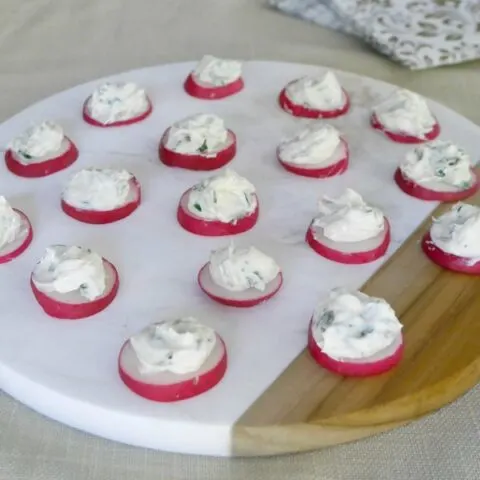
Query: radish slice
[[72, 305], [171, 387], [67, 156], [376, 364], [207, 92], [301, 111], [91, 121], [336, 165], [353, 253], [198, 161], [448, 260], [212, 228], [244, 299], [415, 190], [107, 216], [403, 138], [20, 244]]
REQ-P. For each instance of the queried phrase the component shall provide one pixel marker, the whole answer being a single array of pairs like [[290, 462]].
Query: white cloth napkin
[[416, 33]]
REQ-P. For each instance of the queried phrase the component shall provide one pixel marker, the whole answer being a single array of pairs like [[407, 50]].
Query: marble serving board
[[67, 370]]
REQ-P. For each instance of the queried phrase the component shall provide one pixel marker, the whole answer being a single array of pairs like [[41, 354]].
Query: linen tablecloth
[[50, 45]]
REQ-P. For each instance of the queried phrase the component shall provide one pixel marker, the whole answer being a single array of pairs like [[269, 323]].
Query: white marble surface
[[67, 370]]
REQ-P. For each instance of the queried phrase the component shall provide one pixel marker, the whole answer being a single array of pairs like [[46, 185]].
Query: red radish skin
[[351, 258], [336, 169], [121, 123], [415, 190], [305, 112], [18, 250], [236, 299], [403, 138], [196, 90], [197, 162], [213, 228], [353, 369], [181, 390], [108, 216], [448, 260], [75, 311], [42, 169]]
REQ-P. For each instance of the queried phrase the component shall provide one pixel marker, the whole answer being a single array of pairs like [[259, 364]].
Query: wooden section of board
[[308, 408]]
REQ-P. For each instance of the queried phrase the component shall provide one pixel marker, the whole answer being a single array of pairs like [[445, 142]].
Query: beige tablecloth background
[[50, 45]]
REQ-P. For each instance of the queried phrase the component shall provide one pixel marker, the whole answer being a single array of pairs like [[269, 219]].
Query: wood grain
[[308, 408]]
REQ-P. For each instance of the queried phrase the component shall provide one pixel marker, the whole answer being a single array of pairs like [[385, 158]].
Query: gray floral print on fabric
[[416, 33]]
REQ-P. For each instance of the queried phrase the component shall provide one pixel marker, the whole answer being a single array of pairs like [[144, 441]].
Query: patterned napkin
[[416, 33]]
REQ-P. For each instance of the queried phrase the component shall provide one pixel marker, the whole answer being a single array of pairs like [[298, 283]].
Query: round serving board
[[273, 399]]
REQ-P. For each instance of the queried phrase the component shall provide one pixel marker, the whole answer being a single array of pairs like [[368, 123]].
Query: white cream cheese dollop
[[439, 163], [314, 145], [65, 269], [98, 189], [117, 101], [203, 134], [238, 269], [353, 326], [10, 223], [225, 197], [37, 142], [217, 72], [348, 218], [405, 112], [178, 346], [319, 93], [458, 231]]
